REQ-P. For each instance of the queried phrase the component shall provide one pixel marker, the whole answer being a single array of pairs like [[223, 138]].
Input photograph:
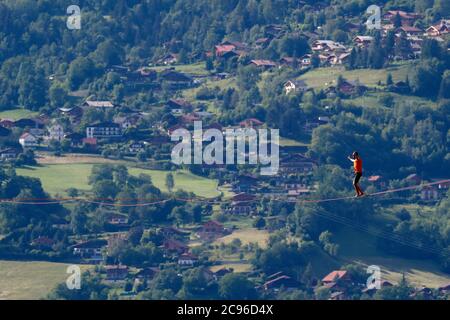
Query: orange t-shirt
[[357, 165]]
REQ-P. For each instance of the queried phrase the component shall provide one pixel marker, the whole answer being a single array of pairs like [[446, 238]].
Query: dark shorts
[[358, 176]]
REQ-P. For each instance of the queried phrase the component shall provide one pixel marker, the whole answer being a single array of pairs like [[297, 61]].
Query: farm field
[[324, 77], [57, 178], [30, 280], [17, 114], [247, 236]]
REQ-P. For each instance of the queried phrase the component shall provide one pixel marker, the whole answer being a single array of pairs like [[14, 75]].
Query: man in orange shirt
[[357, 166]]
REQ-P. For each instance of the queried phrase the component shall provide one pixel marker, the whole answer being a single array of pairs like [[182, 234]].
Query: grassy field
[[359, 247], [247, 236], [17, 114], [57, 178], [30, 280], [371, 100], [324, 77]]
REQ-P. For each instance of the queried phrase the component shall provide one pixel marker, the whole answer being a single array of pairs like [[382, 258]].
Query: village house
[[179, 106], [28, 140], [295, 86], [327, 46], [442, 28], [251, 123], [175, 246], [7, 123], [9, 154], [289, 62], [407, 18], [176, 80], [136, 147], [118, 219], [76, 139], [104, 130], [336, 280], [266, 64], [410, 31], [244, 183], [242, 204], [116, 273], [103, 105], [295, 164], [429, 193], [362, 41], [168, 59], [187, 260], [212, 230], [128, 121], [75, 113], [371, 291], [279, 280], [91, 250], [413, 179], [55, 133]]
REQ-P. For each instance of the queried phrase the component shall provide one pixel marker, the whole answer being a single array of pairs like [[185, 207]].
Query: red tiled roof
[[335, 275]]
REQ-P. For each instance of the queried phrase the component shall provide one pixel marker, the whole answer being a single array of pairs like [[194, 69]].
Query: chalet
[[117, 219], [274, 30], [296, 163], [407, 18], [26, 123], [136, 147], [305, 60], [76, 139], [168, 59], [242, 204], [91, 250], [429, 193], [128, 121], [295, 86], [251, 123], [282, 281], [116, 273], [439, 29], [334, 277], [327, 46], [42, 242], [187, 259], [227, 51], [362, 41], [175, 79], [189, 118], [179, 106], [172, 245], [349, 87], [103, 105], [27, 140], [74, 112], [55, 133], [410, 31], [9, 154], [289, 61], [104, 130], [213, 227], [266, 64], [244, 183]]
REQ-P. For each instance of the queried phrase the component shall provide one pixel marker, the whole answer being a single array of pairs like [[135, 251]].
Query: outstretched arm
[[352, 160]]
